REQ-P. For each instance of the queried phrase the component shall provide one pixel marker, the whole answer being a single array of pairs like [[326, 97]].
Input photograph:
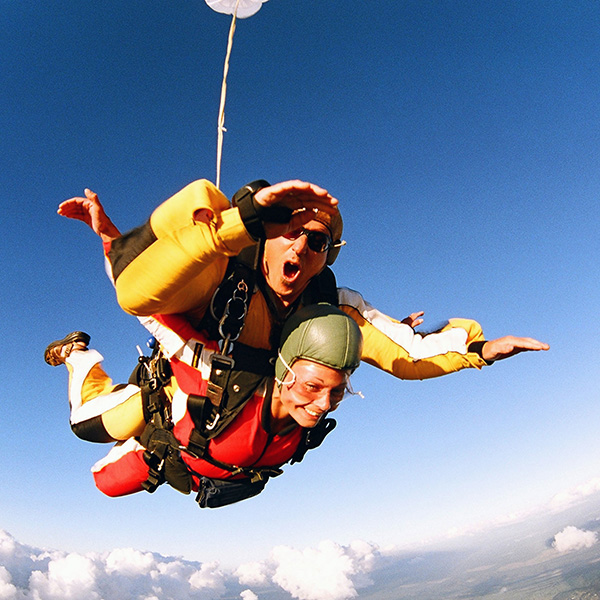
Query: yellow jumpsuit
[[181, 269]]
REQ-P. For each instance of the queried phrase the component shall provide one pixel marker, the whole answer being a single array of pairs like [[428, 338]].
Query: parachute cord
[[221, 119]]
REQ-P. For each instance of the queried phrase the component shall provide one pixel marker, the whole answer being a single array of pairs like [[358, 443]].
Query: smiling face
[[308, 392], [288, 265]]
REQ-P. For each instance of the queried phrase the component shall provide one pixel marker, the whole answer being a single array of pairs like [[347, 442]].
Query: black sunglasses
[[317, 240]]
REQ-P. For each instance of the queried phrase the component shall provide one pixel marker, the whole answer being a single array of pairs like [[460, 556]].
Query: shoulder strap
[[313, 438], [225, 317], [251, 368], [322, 288]]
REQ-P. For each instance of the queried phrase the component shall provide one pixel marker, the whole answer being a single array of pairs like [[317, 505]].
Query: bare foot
[[91, 212]]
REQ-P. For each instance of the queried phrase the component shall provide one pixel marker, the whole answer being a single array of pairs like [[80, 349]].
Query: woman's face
[[315, 390]]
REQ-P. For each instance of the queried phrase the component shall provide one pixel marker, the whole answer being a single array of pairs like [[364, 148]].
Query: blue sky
[[461, 138]]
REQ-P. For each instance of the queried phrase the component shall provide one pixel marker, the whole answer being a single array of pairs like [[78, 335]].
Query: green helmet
[[323, 334]]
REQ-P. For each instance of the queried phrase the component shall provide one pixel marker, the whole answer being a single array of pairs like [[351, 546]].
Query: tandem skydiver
[[174, 433], [196, 254]]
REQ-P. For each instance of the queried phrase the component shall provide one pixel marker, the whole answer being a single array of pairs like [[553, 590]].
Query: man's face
[[288, 265]]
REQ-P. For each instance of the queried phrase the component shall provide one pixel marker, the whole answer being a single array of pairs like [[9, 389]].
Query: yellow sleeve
[[180, 270], [396, 348]]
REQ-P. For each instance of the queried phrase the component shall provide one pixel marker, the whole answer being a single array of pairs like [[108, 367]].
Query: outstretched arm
[[299, 196], [395, 347], [91, 212], [510, 345], [493, 350]]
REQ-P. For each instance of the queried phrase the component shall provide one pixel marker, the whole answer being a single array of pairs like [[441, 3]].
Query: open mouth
[[290, 270]]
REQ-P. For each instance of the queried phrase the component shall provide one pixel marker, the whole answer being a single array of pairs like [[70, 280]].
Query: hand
[[91, 212], [299, 196], [510, 345], [414, 319]]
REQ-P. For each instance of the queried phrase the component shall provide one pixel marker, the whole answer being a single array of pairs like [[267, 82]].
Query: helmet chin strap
[[280, 382]]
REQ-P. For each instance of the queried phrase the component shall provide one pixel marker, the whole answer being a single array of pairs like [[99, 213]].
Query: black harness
[[237, 372]]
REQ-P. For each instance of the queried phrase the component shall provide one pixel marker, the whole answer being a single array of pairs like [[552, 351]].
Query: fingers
[[296, 186], [91, 212], [72, 208], [521, 343], [79, 207], [296, 194], [90, 195], [510, 345], [414, 319], [299, 219], [527, 343]]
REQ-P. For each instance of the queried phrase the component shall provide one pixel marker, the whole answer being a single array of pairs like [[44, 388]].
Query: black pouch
[[215, 493]]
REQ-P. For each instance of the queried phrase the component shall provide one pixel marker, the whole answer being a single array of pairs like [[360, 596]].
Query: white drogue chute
[[241, 8]]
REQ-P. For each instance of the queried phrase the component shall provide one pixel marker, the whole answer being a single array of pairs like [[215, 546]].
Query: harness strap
[[313, 438], [157, 444], [198, 407], [220, 370], [214, 493], [226, 314], [232, 381], [253, 474]]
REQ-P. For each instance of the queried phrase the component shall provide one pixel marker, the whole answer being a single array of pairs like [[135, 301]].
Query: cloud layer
[[575, 495], [328, 572]]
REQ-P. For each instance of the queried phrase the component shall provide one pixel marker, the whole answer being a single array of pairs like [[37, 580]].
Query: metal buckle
[[236, 308]]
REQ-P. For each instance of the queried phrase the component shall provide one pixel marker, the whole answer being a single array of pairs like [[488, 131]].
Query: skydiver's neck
[[282, 304]]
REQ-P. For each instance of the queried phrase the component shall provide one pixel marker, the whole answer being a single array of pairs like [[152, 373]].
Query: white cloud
[[71, 577], [571, 538], [328, 572], [208, 577], [7, 590], [128, 561], [8, 544], [252, 573], [20, 560], [32, 573]]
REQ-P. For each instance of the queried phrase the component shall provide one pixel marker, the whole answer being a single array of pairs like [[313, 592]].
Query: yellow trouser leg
[[125, 420], [121, 421]]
